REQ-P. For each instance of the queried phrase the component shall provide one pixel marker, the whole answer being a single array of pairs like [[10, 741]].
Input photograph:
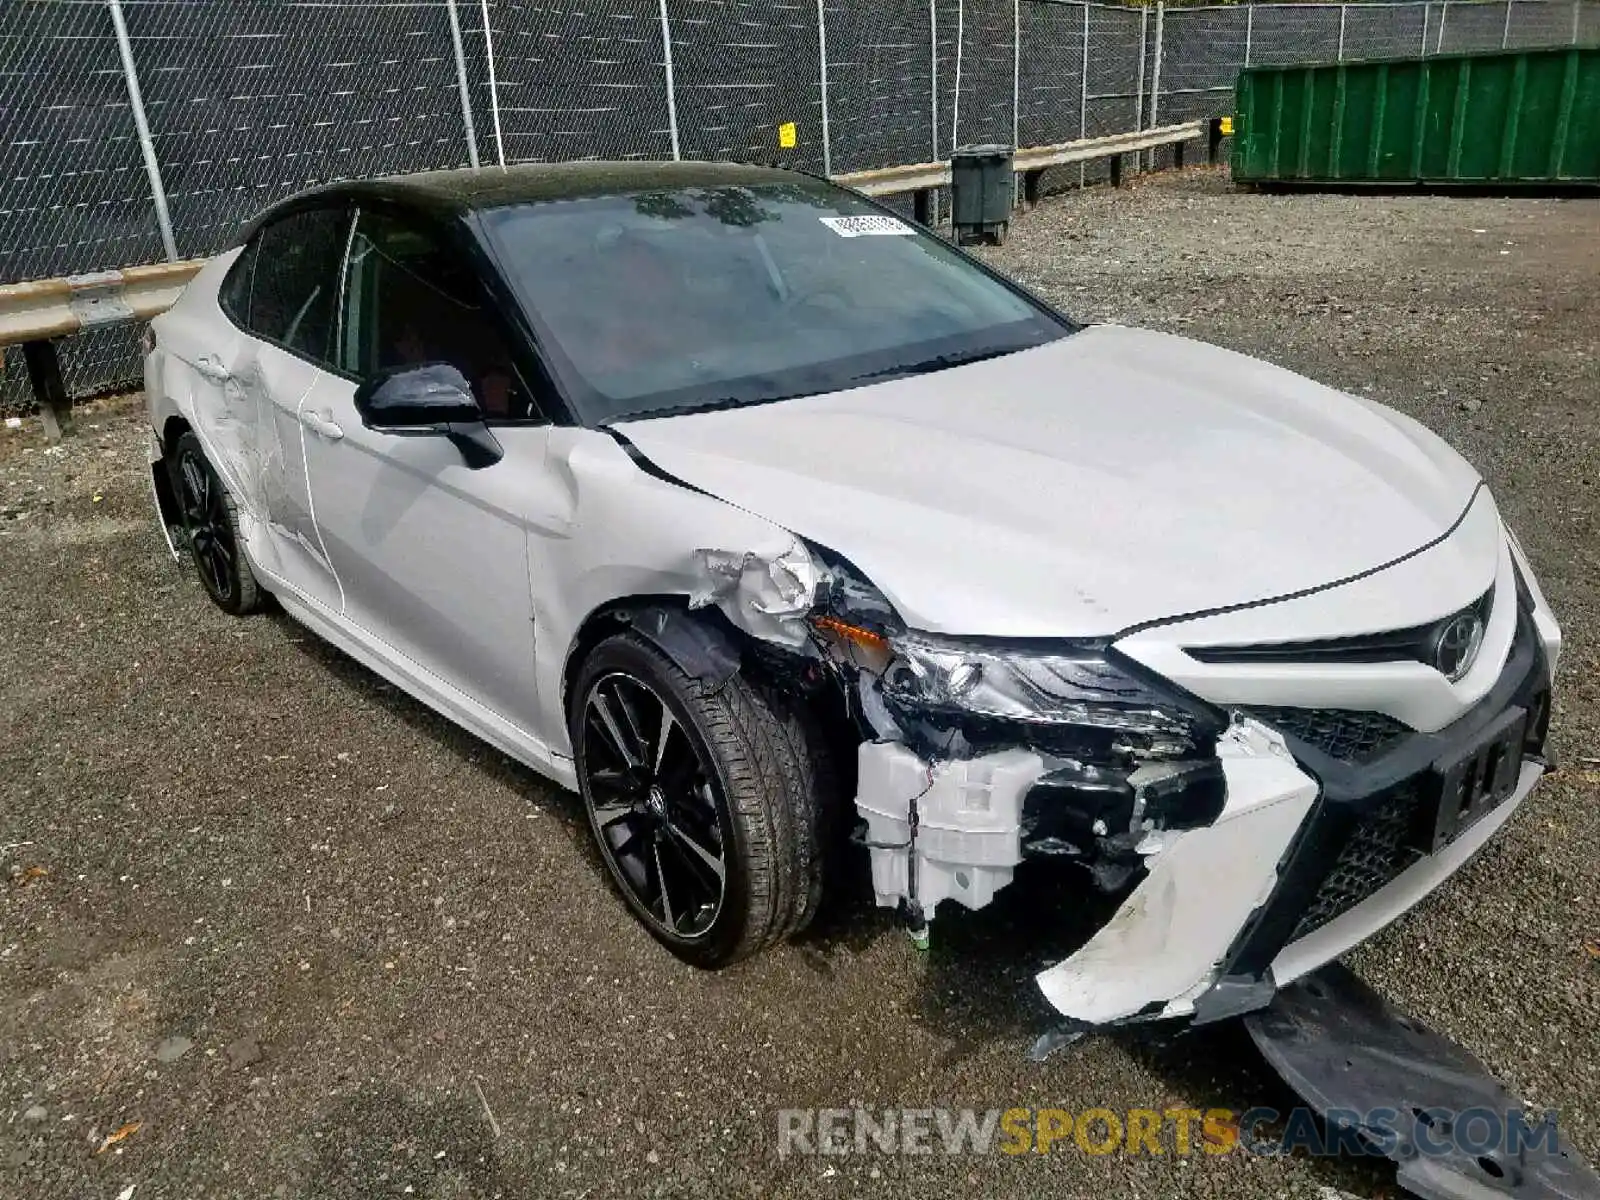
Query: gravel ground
[[309, 937]]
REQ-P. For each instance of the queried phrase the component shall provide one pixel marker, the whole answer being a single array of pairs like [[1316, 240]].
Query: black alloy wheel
[[653, 808], [703, 801], [211, 529]]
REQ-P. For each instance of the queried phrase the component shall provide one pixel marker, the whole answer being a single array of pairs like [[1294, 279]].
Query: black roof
[[492, 187], [455, 193]]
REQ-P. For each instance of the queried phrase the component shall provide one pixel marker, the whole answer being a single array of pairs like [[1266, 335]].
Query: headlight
[[1073, 688], [1126, 751], [1079, 687]]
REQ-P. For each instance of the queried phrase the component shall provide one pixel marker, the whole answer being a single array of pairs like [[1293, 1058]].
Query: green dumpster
[[1523, 117]]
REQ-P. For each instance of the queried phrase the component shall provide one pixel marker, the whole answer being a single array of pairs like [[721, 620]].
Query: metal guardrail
[[35, 313], [917, 177], [52, 308], [924, 178]]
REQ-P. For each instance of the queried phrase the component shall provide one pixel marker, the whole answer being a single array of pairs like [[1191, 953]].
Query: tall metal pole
[[147, 147], [672, 87], [933, 74], [1577, 20], [822, 54], [494, 84], [1505, 33], [1138, 95], [1427, 7], [461, 80], [1016, 73], [955, 103], [1341, 32], [1155, 73], [1083, 93], [1444, 11], [1249, 31]]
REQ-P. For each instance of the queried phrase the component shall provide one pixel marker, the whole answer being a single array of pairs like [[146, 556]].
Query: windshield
[[665, 302]]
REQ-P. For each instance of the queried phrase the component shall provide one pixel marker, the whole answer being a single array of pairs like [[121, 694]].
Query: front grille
[[1380, 847], [1419, 643], [1341, 733], [1375, 819]]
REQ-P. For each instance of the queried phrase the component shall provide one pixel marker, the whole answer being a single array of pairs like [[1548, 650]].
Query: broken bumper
[[1310, 855]]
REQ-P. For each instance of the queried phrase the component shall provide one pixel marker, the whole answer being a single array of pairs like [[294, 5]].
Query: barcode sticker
[[868, 226]]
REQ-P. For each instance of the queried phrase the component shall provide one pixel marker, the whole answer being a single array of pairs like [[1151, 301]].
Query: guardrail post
[[1155, 74], [44, 373], [494, 84], [461, 82], [147, 147], [822, 76]]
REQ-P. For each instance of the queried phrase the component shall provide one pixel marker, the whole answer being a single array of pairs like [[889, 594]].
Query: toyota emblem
[[1456, 644]]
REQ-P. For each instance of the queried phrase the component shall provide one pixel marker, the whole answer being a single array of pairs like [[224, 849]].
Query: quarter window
[[408, 302], [296, 278]]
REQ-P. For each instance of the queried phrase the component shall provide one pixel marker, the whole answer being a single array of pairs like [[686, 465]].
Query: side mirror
[[409, 397], [433, 398]]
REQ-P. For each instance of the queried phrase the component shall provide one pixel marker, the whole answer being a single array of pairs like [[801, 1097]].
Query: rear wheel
[[703, 804], [211, 529]]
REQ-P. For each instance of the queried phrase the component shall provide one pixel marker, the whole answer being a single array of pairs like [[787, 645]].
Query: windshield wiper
[[939, 362], [703, 406]]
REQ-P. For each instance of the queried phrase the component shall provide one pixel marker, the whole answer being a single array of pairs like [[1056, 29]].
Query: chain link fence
[[136, 130]]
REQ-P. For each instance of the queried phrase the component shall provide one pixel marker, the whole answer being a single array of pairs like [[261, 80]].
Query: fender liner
[[697, 646]]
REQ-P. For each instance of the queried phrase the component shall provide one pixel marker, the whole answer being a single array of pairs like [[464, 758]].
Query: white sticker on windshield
[[868, 226]]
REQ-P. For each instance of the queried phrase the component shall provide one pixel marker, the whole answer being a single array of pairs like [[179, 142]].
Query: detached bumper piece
[[1346, 1052]]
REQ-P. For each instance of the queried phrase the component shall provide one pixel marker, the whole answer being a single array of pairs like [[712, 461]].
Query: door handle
[[323, 424], [210, 368]]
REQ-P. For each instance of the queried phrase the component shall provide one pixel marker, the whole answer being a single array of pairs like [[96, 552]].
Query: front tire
[[703, 804], [210, 524]]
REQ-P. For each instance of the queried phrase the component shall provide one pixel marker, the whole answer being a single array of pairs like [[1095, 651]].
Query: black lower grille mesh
[[1381, 846], [1338, 732]]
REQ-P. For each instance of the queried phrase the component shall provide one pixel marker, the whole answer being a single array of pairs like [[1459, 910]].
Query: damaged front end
[[979, 753], [1218, 833]]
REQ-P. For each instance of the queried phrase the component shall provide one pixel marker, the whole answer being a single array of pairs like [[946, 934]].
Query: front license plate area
[[1472, 784]]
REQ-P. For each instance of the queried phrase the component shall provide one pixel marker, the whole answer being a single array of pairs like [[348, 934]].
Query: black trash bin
[[981, 184]]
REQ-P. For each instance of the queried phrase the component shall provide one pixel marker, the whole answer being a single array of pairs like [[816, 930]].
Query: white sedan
[[771, 523]]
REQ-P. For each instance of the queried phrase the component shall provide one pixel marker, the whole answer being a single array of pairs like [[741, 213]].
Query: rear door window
[[295, 282]]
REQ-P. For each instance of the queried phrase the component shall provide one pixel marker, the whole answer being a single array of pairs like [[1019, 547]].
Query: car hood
[[1111, 478]]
